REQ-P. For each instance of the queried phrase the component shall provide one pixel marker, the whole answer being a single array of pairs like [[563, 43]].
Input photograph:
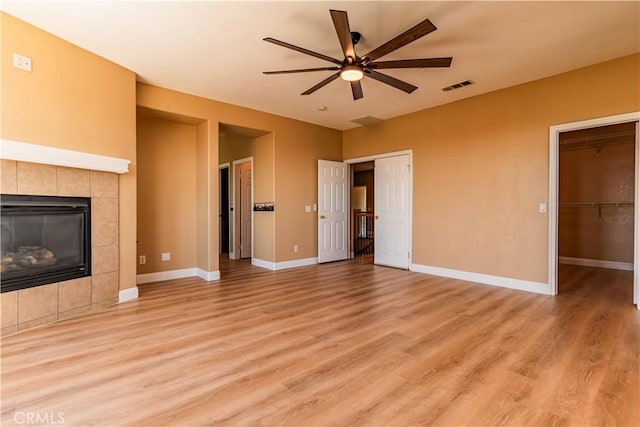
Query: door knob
[[321, 216]]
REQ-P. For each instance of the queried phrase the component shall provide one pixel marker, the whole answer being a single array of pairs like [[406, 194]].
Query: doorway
[[593, 212], [244, 203], [362, 213], [224, 208], [390, 208]]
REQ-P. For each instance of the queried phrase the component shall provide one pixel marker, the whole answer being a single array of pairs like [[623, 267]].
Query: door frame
[[232, 218], [554, 166], [382, 156]]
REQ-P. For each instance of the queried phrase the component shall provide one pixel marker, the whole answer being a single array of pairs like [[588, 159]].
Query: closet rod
[[597, 137], [598, 142], [595, 204]]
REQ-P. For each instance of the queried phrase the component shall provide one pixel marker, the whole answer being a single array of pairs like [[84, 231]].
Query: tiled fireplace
[[26, 308]]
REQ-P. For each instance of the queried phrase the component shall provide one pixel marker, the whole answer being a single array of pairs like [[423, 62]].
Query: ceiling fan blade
[[302, 50], [412, 63], [356, 90], [341, 24], [321, 84], [391, 81], [303, 70], [411, 35]]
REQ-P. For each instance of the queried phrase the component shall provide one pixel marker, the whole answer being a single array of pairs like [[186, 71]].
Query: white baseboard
[[160, 276], [263, 264], [304, 262], [283, 265], [165, 275], [487, 279], [209, 276], [128, 294], [616, 265]]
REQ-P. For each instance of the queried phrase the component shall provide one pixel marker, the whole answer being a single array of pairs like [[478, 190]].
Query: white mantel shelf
[[24, 152]]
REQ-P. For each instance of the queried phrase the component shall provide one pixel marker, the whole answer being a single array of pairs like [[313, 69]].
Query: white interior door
[[392, 211], [332, 211], [246, 183]]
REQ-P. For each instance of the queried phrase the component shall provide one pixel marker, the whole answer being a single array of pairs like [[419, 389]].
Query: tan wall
[[481, 166], [296, 146], [203, 213], [74, 100], [590, 176], [166, 194]]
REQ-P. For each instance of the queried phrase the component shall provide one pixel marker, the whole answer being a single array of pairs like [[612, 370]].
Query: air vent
[[366, 120], [458, 85]]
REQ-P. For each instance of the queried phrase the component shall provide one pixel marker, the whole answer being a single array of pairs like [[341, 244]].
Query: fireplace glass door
[[45, 239]]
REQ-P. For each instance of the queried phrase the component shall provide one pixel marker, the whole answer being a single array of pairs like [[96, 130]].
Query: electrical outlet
[[143, 259], [22, 62], [296, 248], [307, 208], [166, 256], [542, 207]]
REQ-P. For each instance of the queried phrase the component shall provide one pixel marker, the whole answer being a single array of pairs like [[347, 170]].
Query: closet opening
[[596, 211]]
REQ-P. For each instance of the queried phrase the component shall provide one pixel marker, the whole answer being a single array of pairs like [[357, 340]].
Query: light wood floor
[[342, 344]]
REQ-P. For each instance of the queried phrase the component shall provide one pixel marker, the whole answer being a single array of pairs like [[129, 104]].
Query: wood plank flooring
[[346, 344]]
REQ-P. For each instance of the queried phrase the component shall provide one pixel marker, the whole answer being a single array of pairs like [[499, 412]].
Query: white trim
[[302, 262], [24, 152], [487, 279], [263, 264], [209, 276], [636, 224], [380, 156], [160, 276], [284, 265], [128, 294], [599, 263], [554, 136], [165, 275]]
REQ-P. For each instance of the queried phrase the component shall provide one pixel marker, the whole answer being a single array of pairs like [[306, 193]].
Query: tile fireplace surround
[[28, 308]]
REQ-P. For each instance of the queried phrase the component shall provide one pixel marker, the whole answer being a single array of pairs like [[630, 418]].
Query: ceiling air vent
[[458, 85], [366, 120]]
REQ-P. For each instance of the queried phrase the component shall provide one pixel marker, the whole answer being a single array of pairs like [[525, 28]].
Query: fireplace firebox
[[45, 239]]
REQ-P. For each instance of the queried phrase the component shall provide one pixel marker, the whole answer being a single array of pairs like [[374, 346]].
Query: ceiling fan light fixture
[[351, 73]]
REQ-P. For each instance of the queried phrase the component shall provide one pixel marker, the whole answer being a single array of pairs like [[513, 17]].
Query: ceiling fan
[[353, 67]]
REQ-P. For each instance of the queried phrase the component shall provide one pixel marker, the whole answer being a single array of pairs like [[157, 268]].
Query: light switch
[[307, 208], [542, 207]]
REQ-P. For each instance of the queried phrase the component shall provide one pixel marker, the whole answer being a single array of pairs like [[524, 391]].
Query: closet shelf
[[598, 141], [595, 204]]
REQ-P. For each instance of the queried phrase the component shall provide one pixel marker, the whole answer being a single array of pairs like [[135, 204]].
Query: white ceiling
[[215, 49]]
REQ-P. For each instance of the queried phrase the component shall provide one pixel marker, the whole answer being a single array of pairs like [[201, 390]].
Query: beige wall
[[74, 100], [166, 194], [481, 166], [296, 148], [589, 175]]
